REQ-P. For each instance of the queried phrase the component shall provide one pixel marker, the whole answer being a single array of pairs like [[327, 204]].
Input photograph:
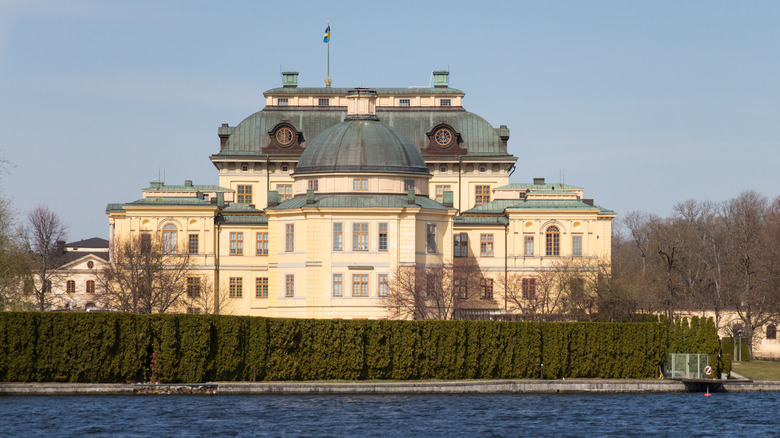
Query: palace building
[[325, 192]]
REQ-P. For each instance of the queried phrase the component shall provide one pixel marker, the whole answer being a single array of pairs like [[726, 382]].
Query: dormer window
[[323, 101], [445, 102], [282, 101], [404, 102]]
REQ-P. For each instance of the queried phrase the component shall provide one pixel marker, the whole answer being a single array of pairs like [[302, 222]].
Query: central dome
[[361, 146]]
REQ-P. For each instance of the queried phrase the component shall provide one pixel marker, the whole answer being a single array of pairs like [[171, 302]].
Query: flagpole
[[328, 80]]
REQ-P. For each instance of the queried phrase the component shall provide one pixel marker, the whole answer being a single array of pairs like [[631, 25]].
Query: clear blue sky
[[644, 104]]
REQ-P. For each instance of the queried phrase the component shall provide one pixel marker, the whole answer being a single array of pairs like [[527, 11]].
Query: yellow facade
[[296, 230]]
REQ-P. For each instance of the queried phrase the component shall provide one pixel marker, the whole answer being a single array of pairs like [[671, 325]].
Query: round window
[[443, 137], [284, 136], [90, 265]]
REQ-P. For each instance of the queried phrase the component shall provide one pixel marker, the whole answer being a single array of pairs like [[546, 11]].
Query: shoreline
[[574, 386]]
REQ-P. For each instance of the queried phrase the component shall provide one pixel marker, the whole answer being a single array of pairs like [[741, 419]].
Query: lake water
[[484, 415]]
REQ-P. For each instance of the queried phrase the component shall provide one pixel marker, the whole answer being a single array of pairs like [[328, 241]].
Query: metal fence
[[686, 366]]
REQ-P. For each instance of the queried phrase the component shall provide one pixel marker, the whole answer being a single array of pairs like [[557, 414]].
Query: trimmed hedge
[[114, 347]]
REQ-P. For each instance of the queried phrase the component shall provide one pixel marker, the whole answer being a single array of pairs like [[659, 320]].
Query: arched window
[[553, 239], [771, 331], [169, 238]]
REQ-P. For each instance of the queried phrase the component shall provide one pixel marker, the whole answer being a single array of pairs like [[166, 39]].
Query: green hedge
[[112, 347]]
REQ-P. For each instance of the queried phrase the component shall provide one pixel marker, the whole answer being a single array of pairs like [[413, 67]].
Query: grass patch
[[758, 369]]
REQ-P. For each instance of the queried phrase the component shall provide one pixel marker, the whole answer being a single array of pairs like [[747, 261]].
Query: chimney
[[441, 79], [410, 197], [224, 132], [538, 181], [290, 79], [220, 199], [448, 198], [310, 196], [156, 185], [503, 134], [273, 198], [588, 201], [187, 183], [60, 246]]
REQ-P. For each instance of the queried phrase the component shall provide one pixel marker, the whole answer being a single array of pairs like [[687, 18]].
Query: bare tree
[[143, 278], [202, 296], [44, 238], [438, 291], [749, 285], [14, 262]]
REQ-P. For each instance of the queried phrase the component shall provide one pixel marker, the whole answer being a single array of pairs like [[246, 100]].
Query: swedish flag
[[327, 35]]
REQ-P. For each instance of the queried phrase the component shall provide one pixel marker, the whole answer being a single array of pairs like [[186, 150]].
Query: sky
[[644, 104]]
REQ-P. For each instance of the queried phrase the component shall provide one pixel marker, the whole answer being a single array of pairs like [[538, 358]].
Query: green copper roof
[[500, 205], [187, 188], [496, 206], [171, 201], [481, 220], [361, 146], [254, 219], [524, 186], [233, 207], [325, 91], [114, 207], [373, 200], [478, 137]]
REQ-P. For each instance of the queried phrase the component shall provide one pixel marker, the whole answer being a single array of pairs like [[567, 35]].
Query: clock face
[[443, 137], [284, 136]]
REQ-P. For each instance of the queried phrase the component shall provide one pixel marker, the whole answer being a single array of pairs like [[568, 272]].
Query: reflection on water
[[745, 414]]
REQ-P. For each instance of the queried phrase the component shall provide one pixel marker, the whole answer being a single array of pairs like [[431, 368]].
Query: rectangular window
[[236, 243], [440, 193], [338, 237], [408, 185], [445, 102], [430, 238], [461, 245], [482, 195], [486, 284], [461, 289], [236, 287], [323, 101], [47, 286], [359, 285], [244, 194], [430, 285], [360, 184], [261, 243], [360, 237], [193, 310], [282, 101], [486, 245], [404, 102], [381, 289], [289, 285], [192, 244], [90, 286], [70, 286], [285, 191], [529, 288], [383, 237], [193, 287], [338, 285], [576, 246], [289, 237], [528, 245], [146, 242], [261, 287], [314, 184]]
